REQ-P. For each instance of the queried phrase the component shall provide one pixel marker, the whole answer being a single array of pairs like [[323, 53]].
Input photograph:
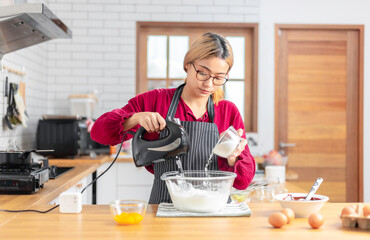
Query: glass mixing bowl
[[199, 191]]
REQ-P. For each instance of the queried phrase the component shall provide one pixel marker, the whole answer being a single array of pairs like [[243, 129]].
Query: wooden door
[[318, 106]]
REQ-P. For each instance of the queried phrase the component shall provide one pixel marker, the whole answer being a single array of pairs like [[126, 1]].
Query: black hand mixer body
[[146, 152]]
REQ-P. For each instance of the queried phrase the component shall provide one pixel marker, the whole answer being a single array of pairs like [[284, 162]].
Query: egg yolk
[[128, 218], [239, 198]]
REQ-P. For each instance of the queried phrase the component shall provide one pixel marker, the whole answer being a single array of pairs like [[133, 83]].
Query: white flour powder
[[225, 149]]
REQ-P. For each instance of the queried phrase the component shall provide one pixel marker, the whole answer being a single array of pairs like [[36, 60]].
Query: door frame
[[354, 170]]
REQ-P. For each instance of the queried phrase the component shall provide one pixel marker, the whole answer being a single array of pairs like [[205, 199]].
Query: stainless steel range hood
[[24, 25]]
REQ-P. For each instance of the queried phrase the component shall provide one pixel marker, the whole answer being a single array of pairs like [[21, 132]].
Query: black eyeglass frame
[[213, 78]]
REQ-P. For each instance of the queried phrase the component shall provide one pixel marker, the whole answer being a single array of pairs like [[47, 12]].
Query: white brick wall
[[35, 64], [101, 55]]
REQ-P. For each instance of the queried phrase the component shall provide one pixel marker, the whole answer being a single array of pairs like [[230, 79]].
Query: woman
[[199, 106]]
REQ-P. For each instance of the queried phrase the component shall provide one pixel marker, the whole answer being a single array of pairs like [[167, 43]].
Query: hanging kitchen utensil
[[8, 110], [17, 114], [13, 116], [6, 86], [22, 116], [22, 90], [146, 152]]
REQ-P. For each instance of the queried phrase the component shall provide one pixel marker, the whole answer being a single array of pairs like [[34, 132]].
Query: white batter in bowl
[[199, 191]]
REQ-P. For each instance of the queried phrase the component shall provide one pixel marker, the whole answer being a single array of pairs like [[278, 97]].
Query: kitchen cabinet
[[87, 194], [123, 181]]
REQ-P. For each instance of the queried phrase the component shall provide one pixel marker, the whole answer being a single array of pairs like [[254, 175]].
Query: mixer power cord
[[46, 211]]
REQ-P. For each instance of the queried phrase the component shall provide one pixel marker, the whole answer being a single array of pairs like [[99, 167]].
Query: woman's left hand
[[243, 142]]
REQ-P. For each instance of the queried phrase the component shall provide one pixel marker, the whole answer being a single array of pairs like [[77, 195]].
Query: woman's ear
[[186, 67]]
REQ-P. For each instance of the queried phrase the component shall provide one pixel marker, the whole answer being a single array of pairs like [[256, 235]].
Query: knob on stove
[[53, 171]]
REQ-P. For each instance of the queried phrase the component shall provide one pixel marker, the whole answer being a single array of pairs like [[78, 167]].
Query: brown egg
[[348, 211], [278, 219], [289, 213], [366, 211], [316, 220]]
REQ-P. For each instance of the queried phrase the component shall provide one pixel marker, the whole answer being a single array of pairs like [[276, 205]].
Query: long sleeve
[[245, 166], [108, 128]]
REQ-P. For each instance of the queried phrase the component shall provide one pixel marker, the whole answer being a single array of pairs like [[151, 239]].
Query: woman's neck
[[197, 105]]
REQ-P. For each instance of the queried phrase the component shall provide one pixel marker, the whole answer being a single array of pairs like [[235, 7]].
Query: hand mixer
[[146, 152]]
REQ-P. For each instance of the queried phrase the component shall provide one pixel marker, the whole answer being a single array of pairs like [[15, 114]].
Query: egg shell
[[366, 211], [346, 211], [289, 213], [278, 220], [316, 220]]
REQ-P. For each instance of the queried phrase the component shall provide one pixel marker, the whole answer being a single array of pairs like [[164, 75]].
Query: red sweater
[[108, 128]]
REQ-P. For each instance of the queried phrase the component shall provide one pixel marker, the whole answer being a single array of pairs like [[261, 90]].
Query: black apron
[[203, 137]]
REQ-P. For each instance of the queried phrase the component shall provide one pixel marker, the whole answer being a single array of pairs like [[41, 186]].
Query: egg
[[366, 211], [289, 213], [277, 219], [348, 211], [316, 220]]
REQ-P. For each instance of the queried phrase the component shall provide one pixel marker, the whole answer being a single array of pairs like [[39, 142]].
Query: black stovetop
[[22, 179]]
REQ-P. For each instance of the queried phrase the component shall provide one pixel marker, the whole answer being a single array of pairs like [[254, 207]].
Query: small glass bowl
[[128, 212], [239, 196]]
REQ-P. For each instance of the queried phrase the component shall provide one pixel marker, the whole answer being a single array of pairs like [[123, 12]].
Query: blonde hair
[[210, 45]]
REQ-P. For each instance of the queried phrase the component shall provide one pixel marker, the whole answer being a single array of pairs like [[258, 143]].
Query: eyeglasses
[[203, 76]]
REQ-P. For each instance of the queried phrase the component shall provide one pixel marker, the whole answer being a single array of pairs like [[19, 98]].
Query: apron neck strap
[[175, 102]]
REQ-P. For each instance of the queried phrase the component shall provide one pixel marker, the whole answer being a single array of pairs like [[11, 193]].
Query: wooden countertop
[[84, 166], [50, 191], [96, 222], [100, 159], [83, 160]]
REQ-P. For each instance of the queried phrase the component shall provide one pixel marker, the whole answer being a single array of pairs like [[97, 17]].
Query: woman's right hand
[[151, 121]]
